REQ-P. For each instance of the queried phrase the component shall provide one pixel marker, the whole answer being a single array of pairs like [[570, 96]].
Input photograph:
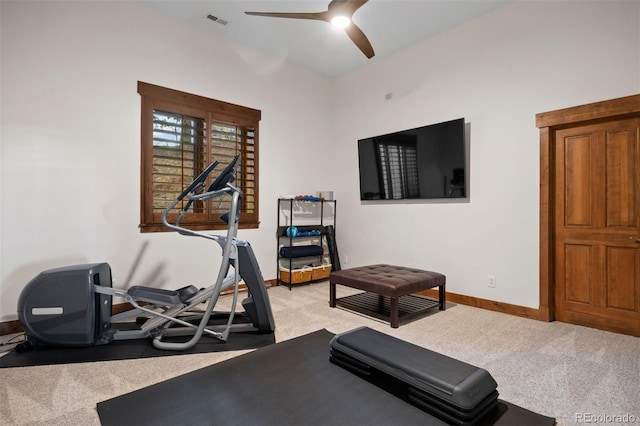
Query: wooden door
[[597, 225]]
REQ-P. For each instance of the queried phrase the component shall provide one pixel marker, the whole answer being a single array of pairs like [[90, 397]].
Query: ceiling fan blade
[[320, 16], [361, 40], [347, 7]]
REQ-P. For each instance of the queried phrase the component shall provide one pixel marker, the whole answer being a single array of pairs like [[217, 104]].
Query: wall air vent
[[218, 20]]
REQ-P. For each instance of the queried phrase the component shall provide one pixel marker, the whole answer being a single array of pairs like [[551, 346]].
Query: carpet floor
[[559, 370]]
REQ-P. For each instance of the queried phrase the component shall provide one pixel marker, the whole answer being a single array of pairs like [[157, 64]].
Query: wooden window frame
[[176, 101]]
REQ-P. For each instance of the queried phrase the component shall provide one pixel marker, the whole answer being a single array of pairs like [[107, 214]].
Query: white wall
[[498, 72], [70, 136]]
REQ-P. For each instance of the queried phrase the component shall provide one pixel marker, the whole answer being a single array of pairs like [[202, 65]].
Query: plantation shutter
[[179, 155], [227, 140]]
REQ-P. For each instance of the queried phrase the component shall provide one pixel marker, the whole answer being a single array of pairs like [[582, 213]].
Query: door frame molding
[[548, 123]]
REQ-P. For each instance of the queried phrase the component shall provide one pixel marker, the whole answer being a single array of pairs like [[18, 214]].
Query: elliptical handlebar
[[220, 186]]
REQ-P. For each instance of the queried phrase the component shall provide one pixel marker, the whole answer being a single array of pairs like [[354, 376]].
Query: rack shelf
[[304, 234]]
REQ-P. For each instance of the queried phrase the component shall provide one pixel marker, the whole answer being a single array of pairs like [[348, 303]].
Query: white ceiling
[[390, 26]]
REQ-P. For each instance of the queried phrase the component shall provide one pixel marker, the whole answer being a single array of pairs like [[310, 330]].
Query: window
[[399, 169], [181, 135]]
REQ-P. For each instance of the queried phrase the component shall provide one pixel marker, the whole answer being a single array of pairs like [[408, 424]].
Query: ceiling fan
[[338, 13]]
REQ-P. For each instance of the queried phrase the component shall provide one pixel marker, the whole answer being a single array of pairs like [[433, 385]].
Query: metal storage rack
[[315, 220]]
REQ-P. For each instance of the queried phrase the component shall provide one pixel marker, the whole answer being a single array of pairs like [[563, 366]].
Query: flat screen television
[[427, 162]]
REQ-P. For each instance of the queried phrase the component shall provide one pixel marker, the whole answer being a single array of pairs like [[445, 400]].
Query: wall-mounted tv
[[423, 163]]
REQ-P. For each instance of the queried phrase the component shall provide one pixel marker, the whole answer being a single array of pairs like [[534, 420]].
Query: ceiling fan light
[[340, 21]]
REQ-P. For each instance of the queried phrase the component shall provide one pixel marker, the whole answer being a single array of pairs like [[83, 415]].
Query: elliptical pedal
[[153, 295]]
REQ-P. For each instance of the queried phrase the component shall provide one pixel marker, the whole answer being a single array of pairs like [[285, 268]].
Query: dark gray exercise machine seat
[[455, 391]]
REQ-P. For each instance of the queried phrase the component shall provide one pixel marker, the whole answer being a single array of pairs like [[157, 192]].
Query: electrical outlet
[[346, 259], [492, 281]]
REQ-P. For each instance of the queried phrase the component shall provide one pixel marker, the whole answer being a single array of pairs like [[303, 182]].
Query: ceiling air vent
[[218, 20]]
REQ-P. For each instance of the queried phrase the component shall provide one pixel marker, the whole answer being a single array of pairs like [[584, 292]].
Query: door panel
[[578, 186], [622, 269], [577, 273], [597, 217], [621, 174]]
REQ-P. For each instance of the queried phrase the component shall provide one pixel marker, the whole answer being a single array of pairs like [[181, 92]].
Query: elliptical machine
[[72, 305]]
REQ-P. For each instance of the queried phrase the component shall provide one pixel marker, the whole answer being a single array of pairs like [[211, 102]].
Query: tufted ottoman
[[387, 291]]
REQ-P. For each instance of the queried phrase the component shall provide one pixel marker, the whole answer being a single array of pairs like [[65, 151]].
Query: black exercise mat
[[129, 349], [289, 383]]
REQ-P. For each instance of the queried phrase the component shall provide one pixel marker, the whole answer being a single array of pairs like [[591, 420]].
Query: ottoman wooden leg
[[442, 298], [332, 295], [394, 313]]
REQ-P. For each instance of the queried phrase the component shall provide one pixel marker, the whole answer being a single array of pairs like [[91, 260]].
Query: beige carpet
[[576, 374]]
